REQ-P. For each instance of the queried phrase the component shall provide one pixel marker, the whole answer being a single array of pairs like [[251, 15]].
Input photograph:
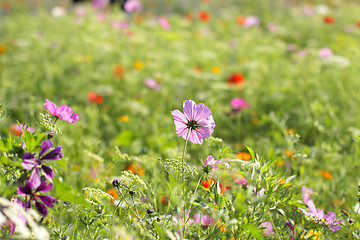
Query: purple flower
[[31, 162], [164, 23], [325, 53], [251, 21], [132, 6], [62, 112], [290, 224], [306, 192], [151, 83], [28, 190], [238, 104], [196, 122], [210, 161], [330, 221], [268, 228], [313, 213]]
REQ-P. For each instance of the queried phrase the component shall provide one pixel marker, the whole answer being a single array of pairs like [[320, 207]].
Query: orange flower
[[189, 17], [290, 130], [113, 194], [244, 156], [164, 201], [204, 16], [329, 19], [236, 79], [288, 153], [76, 167], [240, 20], [358, 23], [135, 168], [326, 174], [119, 71], [220, 224], [2, 48], [197, 68]]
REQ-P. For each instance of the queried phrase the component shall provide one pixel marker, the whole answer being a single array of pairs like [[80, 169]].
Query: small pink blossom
[[80, 11], [302, 53], [306, 193], [152, 83], [251, 21], [164, 23], [325, 53], [63, 112], [132, 6], [268, 228], [238, 104], [272, 27], [101, 16], [119, 25], [308, 10], [100, 4]]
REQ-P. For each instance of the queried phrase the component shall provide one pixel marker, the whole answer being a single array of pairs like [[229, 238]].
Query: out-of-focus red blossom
[[164, 201], [135, 168], [119, 71], [6, 6], [113, 194], [197, 68], [236, 79], [204, 16], [358, 24], [15, 129], [206, 1], [240, 20], [224, 188], [189, 17], [95, 98], [207, 183], [329, 19]]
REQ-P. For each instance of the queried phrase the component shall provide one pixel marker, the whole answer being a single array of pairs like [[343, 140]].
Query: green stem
[[198, 183], [183, 176]]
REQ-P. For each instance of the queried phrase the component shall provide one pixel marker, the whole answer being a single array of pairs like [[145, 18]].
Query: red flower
[[95, 98], [204, 16], [358, 23], [236, 79], [207, 183], [329, 19]]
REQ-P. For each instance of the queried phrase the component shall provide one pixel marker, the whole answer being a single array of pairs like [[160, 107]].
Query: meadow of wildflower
[[179, 119]]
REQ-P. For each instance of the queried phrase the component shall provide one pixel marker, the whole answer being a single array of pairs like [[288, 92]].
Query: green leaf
[[5, 145], [252, 153], [5, 161], [125, 138], [32, 142], [65, 192]]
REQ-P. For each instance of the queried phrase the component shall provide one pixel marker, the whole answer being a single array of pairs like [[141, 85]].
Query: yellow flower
[[138, 65], [216, 70], [313, 235], [290, 130], [124, 118], [280, 162]]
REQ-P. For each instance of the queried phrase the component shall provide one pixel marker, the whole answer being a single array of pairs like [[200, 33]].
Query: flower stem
[[198, 183], [183, 176]]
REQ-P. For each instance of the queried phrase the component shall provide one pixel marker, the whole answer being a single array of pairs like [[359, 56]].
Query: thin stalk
[[183, 176], [198, 183]]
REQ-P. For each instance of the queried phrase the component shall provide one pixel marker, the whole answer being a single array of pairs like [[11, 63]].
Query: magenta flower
[[119, 25], [268, 228], [132, 6], [31, 162], [62, 112], [330, 221], [80, 11], [164, 23], [196, 123], [100, 4], [325, 53], [27, 190], [210, 161], [238, 104]]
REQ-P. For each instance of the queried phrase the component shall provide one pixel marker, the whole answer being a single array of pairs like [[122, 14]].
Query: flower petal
[[43, 187], [25, 190], [55, 154], [29, 161], [47, 200], [41, 208], [48, 172], [189, 109], [35, 177], [179, 116], [51, 107], [45, 146], [202, 112]]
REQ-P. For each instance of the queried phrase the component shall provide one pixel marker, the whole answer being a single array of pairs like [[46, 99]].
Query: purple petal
[[43, 187], [329, 218], [189, 109], [29, 161], [35, 177], [41, 208], [48, 172], [179, 117], [51, 107], [202, 112], [55, 154], [25, 190], [28, 204], [194, 138], [210, 161], [47, 200], [45, 146], [74, 118]]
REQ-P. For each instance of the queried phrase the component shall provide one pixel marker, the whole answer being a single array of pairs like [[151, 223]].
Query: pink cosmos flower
[[80, 11], [62, 112], [306, 192], [308, 10], [164, 23], [100, 4], [152, 83], [238, 104], [196, 123], [251, 21], [272, 27], [210, 161], [132, 6], [101, 16], [325, 53], [268, 228], [118, 24]]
